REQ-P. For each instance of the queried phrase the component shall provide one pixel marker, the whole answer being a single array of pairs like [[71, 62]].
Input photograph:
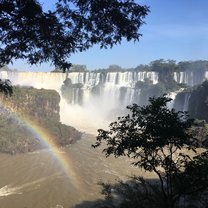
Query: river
[[37, 180]]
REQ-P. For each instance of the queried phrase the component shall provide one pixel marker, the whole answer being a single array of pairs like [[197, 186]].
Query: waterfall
[[186, 102], [190, 78], [181, 101], [172, 95], [94, 97], [90, 100]]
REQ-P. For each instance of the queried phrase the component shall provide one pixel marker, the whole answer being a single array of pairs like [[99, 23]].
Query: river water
[[36, 180]]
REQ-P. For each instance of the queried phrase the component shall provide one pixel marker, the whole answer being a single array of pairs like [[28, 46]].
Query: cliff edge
[[28, 116]]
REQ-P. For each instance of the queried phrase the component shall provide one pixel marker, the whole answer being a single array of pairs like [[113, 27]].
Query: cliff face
[[195, 101], [29, 106], [38, 104], [198, 102]]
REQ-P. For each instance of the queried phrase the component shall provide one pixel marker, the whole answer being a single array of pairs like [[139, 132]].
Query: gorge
[[87, 100]]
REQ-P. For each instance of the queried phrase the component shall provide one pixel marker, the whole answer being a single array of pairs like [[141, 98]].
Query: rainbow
[[63, 159]]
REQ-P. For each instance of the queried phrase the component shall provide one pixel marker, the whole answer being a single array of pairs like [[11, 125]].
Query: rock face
[[82, 88], [181, 102], [29, 107], [102, 95], [198, 102], [37, 104], [195, 101]]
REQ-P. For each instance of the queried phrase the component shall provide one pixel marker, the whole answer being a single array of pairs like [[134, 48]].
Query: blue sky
[[174, 29]]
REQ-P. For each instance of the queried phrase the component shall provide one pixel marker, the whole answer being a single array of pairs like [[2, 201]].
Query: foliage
[[165, 71], [78, 68], [200, 130], [147, 89], [27, 32], [195, 175], [193, 66], [142, 67], [159, 140], [137, 192], [196, 99], [198, 102], [15, 137], [6, 87], [166, 67], [37, 106], [146, 193], [114, 68], [39, 103]]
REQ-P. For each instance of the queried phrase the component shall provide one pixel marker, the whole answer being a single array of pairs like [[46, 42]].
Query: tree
[[159, 140], [27, 32], [78, 68], [165, 71], [6, 87], [198, 101], [114, 68]]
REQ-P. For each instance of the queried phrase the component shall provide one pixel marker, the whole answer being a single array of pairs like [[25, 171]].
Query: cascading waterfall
[[89, 100], [102, 93], [186, 102], [94, 96], [190, 78], [45, 80]]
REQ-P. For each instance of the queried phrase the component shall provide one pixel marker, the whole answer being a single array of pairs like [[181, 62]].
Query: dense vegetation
[[162, 65], [28, 32], [158, 140], [39, 107], [196, 101]]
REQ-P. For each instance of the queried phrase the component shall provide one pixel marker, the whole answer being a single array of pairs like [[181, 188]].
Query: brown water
[[36, 180]]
